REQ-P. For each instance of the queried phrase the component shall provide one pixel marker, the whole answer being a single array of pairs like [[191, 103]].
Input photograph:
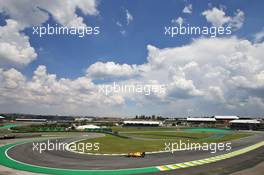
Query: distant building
[[30, 120], [83, 127], [225, 119], [250, 124], [143, 123], [79, 119], [2, 118], [201, 121]]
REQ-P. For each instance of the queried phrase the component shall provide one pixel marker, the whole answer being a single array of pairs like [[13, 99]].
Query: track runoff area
[[20, 156]]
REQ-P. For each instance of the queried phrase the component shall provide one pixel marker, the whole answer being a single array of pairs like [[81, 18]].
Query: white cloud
[[178, 21], [14, 45], [129, 17], [119, 24], [110, 69], [238, 20], [181, 88], [215, 94], [46, 92], [122, 27], [13, 79], [219, 18], [259, 36], [199, 77], [216, 16], [123, 32], [210, 73], [187, 9], [36, 12], [15, 48]]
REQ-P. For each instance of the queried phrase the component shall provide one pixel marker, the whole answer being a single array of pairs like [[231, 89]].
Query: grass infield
[[153, 140]]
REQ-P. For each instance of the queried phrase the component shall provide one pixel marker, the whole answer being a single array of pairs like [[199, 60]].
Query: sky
[[63, 74]]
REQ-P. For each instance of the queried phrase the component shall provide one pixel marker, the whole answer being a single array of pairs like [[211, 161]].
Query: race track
[[23, 153]]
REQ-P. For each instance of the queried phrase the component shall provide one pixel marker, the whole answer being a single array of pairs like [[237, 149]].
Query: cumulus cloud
[[229, 74], [199, 77], [14, 45], [187, 9], [180, 88], [31, 12], [12, 78], [219, 18], [47, 91], [226, 77], [215, 94], [216, 16], [110, 69]]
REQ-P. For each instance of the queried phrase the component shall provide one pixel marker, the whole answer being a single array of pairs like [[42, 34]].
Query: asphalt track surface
[[68, 160], [224, 167]]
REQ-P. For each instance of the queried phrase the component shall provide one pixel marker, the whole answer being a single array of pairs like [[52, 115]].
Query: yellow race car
[[136, 154]]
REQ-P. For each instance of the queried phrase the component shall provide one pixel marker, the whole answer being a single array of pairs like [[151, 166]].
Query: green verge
[[153, 141], [6, 161], [133, 129], [8, 126], [169, 135], [207, 130]]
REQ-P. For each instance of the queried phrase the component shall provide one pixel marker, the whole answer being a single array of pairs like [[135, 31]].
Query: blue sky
[[135, 51], [69, 56]]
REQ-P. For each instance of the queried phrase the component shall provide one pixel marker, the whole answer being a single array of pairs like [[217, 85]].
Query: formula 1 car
[[136, 154]]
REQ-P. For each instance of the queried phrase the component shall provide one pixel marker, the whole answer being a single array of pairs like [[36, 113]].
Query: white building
[[252, 121], [30, 120], [83, 127], [226, 117], [200, 119], [2, 118], [248, 124], [79, 119]]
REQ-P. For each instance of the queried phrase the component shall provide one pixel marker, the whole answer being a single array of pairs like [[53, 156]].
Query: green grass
[[138, 129], [207, 130], [7, 126], [4, 132], [112, 144], [155, 141], [232, 136], [169, 135]]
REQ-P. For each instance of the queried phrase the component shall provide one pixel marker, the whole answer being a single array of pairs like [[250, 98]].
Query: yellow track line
[[210, 159]]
